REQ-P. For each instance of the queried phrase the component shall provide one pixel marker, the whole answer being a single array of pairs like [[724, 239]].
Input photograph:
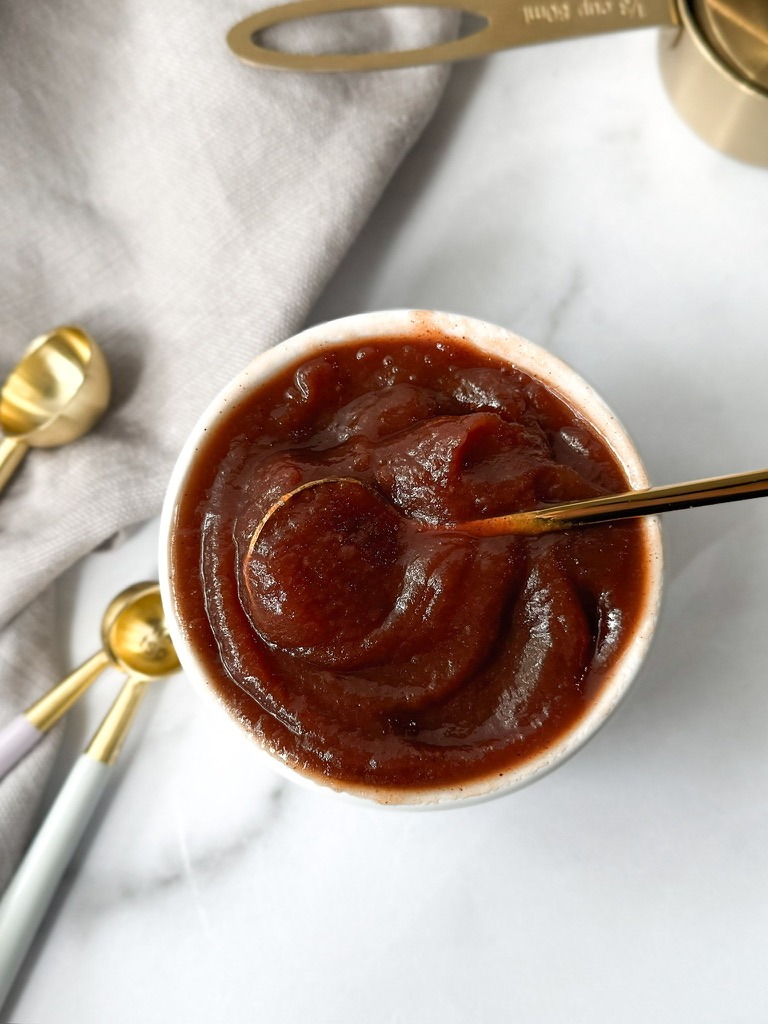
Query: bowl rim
[[526, 356]]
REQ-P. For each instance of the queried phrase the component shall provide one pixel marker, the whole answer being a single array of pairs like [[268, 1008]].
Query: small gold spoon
[[134, 639], [54, 395], [628, 505], [145, 649]]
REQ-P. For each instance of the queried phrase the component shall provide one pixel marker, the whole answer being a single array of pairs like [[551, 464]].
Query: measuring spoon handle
[[17, 738], [31, 889], [508, 23], [21, 734], [30, 892], [12, 452]]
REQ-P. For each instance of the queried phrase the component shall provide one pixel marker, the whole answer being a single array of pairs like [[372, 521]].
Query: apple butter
[[359, 641]]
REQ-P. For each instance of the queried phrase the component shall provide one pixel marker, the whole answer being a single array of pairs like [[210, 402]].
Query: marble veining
[[556, 193]]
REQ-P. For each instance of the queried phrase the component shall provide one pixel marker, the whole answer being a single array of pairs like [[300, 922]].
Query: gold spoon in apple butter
[[605, 508]]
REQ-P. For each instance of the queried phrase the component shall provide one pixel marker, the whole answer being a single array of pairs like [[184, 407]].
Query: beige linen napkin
[[186, 210]]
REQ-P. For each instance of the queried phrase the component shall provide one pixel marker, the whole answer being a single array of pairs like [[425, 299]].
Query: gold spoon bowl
[[55, 394], [135, 634], [137, 641], [134, 639]]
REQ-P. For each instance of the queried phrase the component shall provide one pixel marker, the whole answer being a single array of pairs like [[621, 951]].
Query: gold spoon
[[134, 639], [142, 643], [628, 505], [54, 395]]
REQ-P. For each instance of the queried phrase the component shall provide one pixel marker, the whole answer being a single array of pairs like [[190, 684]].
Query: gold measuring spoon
[[133, 638], [54, 395], [628, 505], [714, 53], [144, 645]]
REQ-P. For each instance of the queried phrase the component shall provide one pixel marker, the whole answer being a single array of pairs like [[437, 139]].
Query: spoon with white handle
[[129, 635], [31, 889]]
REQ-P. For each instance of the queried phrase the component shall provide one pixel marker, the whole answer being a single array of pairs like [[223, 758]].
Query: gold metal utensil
[[134, 639], [146, 650], [54, 395], [629, 505], [713, 53]]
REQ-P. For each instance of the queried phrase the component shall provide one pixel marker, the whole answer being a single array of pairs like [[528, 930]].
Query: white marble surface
[[558, 194]]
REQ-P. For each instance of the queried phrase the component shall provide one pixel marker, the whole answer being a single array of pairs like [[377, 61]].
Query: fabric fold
[[186, 210]]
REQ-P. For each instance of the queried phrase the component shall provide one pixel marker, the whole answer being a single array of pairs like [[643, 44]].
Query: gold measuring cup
[[713, 53]]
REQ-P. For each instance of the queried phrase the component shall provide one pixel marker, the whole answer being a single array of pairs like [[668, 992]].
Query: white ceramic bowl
[[527, 357]]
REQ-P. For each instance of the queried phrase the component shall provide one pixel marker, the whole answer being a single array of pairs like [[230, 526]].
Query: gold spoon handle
[[508, 23], [624, 506], [51, 706], [12, 451], [23, 732], [108, 740], [32, 888]]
